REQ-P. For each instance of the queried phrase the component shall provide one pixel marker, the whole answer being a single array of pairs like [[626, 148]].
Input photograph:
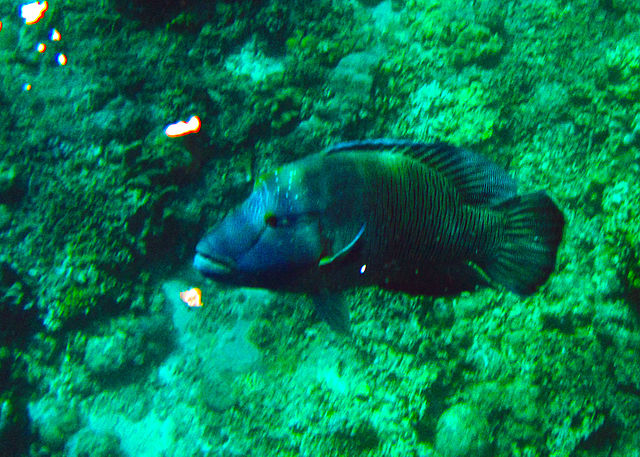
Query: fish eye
[[271, 220]]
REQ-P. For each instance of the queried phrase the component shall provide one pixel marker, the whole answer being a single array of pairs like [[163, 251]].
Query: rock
[[89, 443], [130, 343], [463, 431], [54, 421]]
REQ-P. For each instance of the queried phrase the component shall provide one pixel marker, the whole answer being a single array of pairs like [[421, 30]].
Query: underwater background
[[100, 211]]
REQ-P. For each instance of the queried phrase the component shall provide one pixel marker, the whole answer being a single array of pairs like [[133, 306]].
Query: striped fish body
[[421, 218], [420, 237]]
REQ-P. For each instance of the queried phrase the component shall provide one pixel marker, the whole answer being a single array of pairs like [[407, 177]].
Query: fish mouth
[[213, 266]]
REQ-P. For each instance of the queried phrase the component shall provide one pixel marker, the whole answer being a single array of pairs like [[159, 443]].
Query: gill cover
[[337, 252]]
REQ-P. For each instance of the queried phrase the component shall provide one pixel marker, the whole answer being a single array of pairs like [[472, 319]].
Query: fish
[[419, 218], [192, 297]]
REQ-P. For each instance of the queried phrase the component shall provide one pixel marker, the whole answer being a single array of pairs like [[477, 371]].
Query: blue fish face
[[275, 231]]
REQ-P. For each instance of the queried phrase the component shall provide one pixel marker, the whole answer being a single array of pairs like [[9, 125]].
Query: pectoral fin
[[333, 309], [344, 251]]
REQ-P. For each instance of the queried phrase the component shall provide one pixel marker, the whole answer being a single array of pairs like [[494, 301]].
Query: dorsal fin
[[478, 180]]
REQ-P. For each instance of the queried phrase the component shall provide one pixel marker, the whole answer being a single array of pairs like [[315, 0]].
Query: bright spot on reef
[[62, 59], [192, 297], [363, 268], [183, 128], [41, 47], [33, 12], [26, 86], [55, 35]]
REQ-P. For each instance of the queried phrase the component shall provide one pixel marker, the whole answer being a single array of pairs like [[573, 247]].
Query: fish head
[[276, 230]]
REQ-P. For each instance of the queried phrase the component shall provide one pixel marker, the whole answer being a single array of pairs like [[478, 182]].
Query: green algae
[[623, 67], [324, 38]]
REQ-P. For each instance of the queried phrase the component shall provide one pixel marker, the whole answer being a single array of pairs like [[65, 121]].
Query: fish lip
[[213, 266]]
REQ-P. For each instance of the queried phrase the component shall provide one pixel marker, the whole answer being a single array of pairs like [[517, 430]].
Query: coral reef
[[100, 211]]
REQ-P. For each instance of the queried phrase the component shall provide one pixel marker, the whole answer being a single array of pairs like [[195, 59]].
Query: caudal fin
[[527, 256]]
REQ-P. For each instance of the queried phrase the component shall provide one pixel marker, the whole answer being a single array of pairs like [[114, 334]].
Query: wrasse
[[430, 219]]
